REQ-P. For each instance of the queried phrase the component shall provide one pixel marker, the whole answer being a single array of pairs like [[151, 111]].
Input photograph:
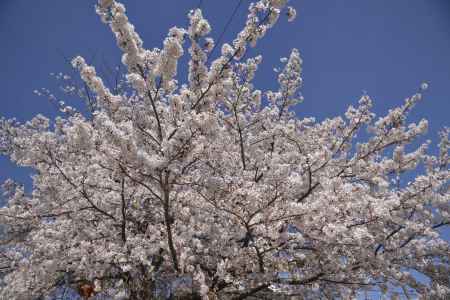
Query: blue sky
[[384, 47]]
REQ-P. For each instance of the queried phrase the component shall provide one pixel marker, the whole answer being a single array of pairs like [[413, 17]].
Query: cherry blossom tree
[[214, 189]]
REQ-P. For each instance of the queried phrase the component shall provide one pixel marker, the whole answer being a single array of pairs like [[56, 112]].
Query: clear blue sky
[[384, 47]]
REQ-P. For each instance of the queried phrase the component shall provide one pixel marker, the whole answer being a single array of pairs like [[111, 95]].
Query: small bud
[[291, 13], [424, 86]]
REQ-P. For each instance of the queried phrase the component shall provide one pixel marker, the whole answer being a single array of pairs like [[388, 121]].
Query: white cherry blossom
[[213, 188]]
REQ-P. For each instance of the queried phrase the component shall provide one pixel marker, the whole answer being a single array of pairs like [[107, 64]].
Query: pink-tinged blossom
[[214, 185]]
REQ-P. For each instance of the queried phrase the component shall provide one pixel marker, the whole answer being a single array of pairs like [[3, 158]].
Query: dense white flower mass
[[214, 189]]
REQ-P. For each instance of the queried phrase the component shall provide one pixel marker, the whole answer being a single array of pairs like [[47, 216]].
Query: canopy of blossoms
[[212, 188]]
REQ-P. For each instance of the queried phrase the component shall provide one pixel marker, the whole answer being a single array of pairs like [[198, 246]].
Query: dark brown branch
[[82, 192], [308, 192], [124, 218], [152, 102], [140, 182], [168, 220]]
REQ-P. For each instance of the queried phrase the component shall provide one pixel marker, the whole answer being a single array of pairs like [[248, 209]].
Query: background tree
[[215, 189]]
